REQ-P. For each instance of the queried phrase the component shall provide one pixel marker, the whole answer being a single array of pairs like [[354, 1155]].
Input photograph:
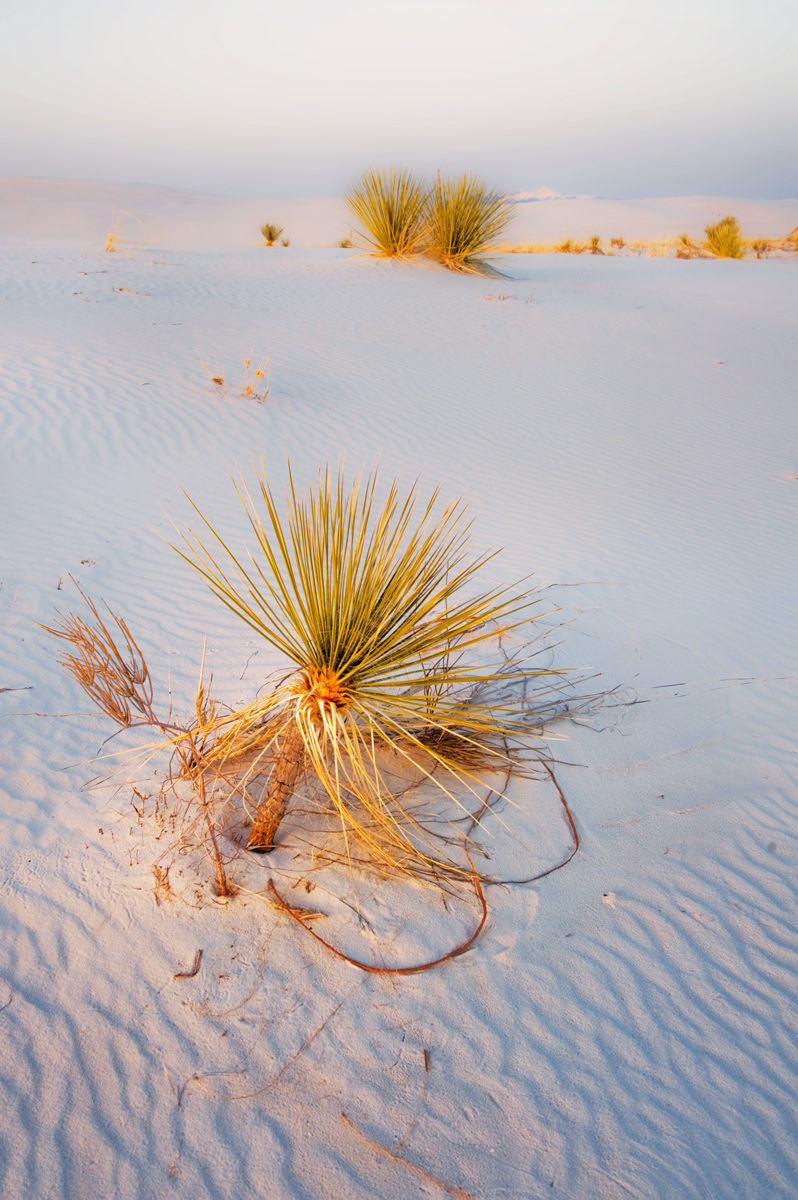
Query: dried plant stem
[[458, 1192], [216, 854], [372, 970], [281, 788]]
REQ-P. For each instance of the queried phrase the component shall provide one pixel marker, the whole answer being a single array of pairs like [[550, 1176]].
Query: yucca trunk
[[284, 779]]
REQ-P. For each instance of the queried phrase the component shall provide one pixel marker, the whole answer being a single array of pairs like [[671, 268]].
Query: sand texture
[[627, 430]]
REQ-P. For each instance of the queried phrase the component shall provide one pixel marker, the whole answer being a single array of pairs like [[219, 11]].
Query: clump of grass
[[595, 245], [569, 246], [391, 208], [465, 220], [111, 240], [618, 242], [285, 241], [724, 239], [270, 233], [344, 243]]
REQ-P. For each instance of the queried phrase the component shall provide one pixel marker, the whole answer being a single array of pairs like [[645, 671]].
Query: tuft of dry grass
[[569, 246], [344, 243], [724, 239], [391, 206], [255, 385]]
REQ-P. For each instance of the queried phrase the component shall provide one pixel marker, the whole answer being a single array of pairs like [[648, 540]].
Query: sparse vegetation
[[724, 239], [569, 246], [465, 219], [285, 241], [344, 243], [408, 699], [255, 385], [617, 243], [270, 233], [595, 245], [391, 207], [761, 246]]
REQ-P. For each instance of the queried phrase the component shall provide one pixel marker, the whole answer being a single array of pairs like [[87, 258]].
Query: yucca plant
[[724, 238], [391, 208], [270, 233], [465, 220], [374, 608]]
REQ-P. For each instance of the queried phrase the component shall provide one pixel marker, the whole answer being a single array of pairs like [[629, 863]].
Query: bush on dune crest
[[725, 238]]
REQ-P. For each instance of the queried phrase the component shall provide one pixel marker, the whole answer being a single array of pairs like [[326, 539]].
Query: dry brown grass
[[255, 384]]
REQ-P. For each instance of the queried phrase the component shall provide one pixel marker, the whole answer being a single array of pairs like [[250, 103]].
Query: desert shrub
[[619, 242], [724, 239], [270, 233], [344, 243], [569, 246], [391, 208], [285, 241], [595, 245], [374, 607], [465, 219]]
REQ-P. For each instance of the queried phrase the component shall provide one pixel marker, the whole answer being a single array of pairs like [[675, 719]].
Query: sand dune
[[174, 217], [626, 429]]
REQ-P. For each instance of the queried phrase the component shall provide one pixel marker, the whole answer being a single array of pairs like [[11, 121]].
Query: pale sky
[[626, 98]]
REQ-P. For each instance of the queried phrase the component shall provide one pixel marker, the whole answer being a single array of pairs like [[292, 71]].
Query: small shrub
[[255, 385], [391, 208], [270, 233], [569, 246], [344, 243], [595, 245], [619, 242], [285, 242], [724, 238], [465, 219]]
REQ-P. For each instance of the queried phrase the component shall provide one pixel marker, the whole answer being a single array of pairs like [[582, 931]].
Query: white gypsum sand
[[627, 430]]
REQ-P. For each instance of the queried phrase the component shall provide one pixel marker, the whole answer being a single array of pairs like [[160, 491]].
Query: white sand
[[626, 429]]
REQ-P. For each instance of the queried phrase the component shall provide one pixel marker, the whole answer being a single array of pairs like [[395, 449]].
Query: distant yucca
[[725, 238], [465, 219], [270, 233], [391, 207], [372, 607]]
